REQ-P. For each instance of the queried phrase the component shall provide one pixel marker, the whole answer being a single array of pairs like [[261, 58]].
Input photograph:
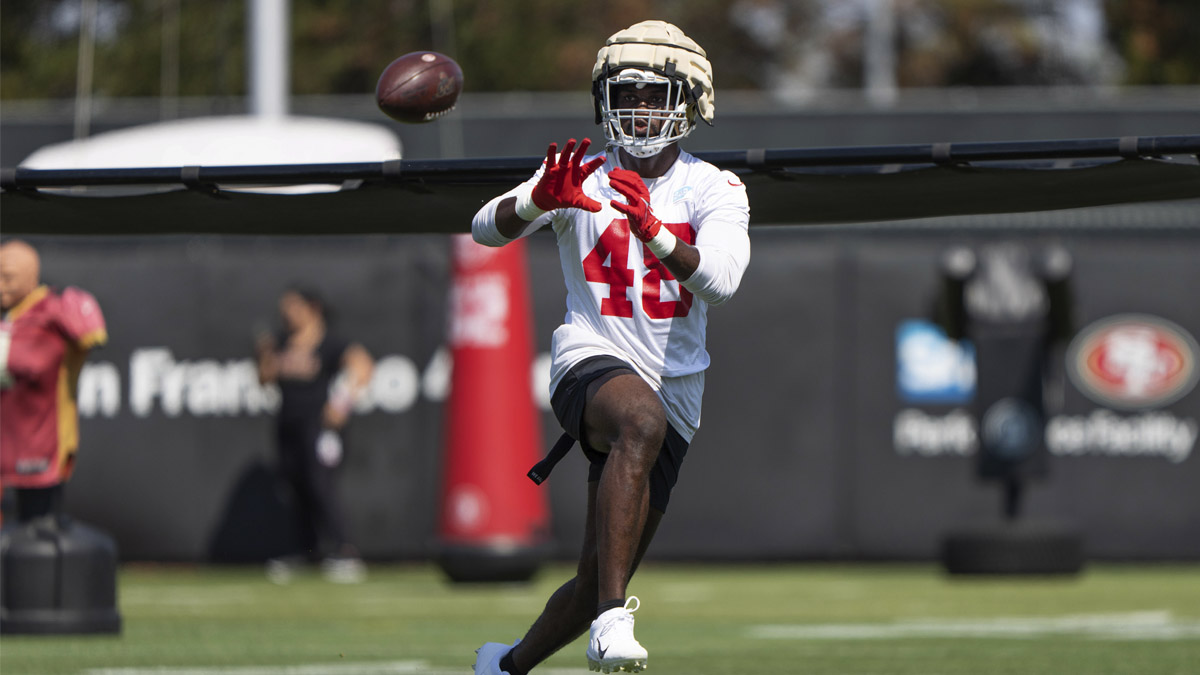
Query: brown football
[[419, 87]]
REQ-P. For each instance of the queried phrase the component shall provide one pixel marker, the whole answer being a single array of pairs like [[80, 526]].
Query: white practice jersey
[[621, 301]]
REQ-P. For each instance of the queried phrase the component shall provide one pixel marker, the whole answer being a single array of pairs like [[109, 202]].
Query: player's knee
[[643, 428]]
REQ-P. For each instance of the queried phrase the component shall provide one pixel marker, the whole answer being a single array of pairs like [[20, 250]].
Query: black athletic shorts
[[568, 402]]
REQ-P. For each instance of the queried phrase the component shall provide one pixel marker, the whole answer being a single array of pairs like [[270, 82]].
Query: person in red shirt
[[44, 338]]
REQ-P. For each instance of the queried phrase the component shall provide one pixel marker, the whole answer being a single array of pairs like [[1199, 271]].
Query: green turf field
[[694, 620]]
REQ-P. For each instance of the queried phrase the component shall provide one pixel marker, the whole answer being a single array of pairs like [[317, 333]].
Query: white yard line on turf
[[1149, 625], [338, 668]]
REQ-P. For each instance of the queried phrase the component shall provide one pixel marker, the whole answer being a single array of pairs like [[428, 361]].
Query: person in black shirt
[[320, 376]]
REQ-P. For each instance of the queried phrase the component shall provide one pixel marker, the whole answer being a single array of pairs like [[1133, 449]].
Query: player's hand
[[333, 417], [642, 222], [264, 343], [561, 185]]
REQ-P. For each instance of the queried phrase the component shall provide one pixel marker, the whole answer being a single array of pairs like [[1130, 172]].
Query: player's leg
[[625, 420], [290, 452], [568, 612], [572, 607], [306, 479], [340, 561]]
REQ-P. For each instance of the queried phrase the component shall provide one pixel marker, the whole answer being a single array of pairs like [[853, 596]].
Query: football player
[[649, 238]]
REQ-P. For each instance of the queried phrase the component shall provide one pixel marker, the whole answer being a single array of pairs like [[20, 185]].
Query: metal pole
[[83, 73], [879, 53], [441, 18], [268, 37], [169, 69]]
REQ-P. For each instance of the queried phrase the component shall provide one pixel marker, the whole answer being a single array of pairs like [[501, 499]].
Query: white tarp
[[227, 141]]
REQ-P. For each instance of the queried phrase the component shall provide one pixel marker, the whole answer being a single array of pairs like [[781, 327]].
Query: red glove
[[642, 222], [561, 185]]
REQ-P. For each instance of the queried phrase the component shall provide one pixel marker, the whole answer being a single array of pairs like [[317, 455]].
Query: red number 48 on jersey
[[614, 243]]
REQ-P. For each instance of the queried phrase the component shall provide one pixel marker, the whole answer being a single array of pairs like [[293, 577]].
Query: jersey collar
[[35, 296]]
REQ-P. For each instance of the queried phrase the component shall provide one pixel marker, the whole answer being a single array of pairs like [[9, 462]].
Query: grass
[[695, 619]]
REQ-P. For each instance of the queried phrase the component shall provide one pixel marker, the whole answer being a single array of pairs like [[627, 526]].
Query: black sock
[[610, 604], [506, 665]]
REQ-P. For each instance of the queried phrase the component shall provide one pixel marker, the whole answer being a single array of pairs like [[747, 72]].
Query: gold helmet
[[652, 52]]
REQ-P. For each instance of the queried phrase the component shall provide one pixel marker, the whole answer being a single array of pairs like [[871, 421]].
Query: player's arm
[[724, 248], [712, 269], [357, 368], [266, 358], [682, 261], [559, 184], [508, 223], [81, 320]]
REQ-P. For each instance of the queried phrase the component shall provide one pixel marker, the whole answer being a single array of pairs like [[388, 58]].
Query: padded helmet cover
[[663, 48]]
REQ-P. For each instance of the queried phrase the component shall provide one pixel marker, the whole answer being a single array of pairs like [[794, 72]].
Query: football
[[419, 87]]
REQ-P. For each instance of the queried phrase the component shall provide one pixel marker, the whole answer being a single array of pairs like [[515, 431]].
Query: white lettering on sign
[[916, 432], [1104, 433], [208, 387], [435, 381], [199, 388], [99, 390], [394, 386]]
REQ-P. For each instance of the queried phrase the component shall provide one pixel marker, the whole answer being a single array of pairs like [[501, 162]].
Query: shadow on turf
[[257, 523]]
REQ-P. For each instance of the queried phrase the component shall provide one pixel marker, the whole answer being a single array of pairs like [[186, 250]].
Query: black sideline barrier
[[835, 185]]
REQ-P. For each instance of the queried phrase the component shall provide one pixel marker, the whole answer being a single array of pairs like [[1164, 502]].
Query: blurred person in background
[[627, 370], [45, 336], [320, 377]]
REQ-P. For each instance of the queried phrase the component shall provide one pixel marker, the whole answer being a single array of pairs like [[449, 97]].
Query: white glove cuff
[[526, 209], [663, 243]]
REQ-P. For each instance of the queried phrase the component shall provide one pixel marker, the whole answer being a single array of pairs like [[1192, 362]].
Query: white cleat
[[612, 647], [487, 658]]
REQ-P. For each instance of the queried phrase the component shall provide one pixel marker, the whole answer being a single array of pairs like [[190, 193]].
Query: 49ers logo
[[1133, 361]]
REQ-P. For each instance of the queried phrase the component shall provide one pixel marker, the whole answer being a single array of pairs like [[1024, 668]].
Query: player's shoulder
[[708, 174], [79, 317], [76, 300]]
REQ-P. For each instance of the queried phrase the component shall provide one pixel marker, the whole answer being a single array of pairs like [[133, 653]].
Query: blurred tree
[[1159, 39], [39, 42], [552, 45], [340, 46]]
